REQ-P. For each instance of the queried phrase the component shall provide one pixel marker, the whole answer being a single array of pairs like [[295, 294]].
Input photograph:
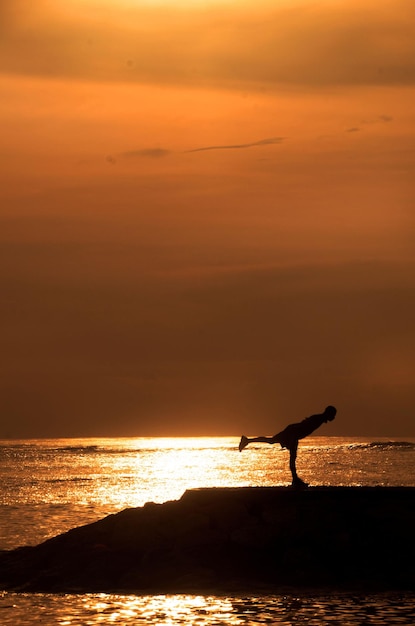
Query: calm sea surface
[[49, 486]]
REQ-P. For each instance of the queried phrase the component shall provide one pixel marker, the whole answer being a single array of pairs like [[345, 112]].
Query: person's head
[[330, 413]]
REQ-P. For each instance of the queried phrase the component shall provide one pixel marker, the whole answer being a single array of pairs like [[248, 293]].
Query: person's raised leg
[[247, 440]]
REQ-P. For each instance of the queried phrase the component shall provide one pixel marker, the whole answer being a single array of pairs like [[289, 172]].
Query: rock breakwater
[[229, 539]]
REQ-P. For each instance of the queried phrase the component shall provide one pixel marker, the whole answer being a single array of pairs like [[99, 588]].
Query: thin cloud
[[239, 146], [147, 153], [380, 119]]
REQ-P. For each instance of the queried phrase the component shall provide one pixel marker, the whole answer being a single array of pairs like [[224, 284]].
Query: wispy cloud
[[379, 119], [161, 153], [147, 153], [239, 146]]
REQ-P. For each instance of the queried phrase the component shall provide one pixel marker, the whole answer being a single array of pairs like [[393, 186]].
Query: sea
[[48, 486]]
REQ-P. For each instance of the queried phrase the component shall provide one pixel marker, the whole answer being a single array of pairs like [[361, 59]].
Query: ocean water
[[49, 486]]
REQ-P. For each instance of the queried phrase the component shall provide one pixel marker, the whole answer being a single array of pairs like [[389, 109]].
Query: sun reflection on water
[[157, 609]]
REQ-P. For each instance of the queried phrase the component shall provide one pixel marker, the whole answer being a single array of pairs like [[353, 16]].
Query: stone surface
[[227, 539]]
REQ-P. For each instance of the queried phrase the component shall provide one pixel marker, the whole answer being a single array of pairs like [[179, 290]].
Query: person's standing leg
[[296, 482], [293, 456]]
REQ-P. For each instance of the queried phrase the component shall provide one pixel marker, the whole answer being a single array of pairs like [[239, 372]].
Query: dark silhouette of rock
[[230, 539]]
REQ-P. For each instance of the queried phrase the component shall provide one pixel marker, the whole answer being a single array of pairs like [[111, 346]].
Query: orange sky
[[206, 216]]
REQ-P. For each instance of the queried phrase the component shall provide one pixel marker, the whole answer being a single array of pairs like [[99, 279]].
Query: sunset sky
[[207, 216]]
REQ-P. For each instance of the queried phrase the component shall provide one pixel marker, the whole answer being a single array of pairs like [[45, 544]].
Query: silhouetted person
[[290, 436]]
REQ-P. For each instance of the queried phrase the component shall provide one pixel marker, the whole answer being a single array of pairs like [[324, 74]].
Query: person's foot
[[299, 484], [243, 443]]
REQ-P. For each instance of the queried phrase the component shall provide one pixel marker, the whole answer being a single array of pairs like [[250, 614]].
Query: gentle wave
[[99, 450], [66, 480], [7, 450], [398, 446], [77, 449], [383, 445]]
